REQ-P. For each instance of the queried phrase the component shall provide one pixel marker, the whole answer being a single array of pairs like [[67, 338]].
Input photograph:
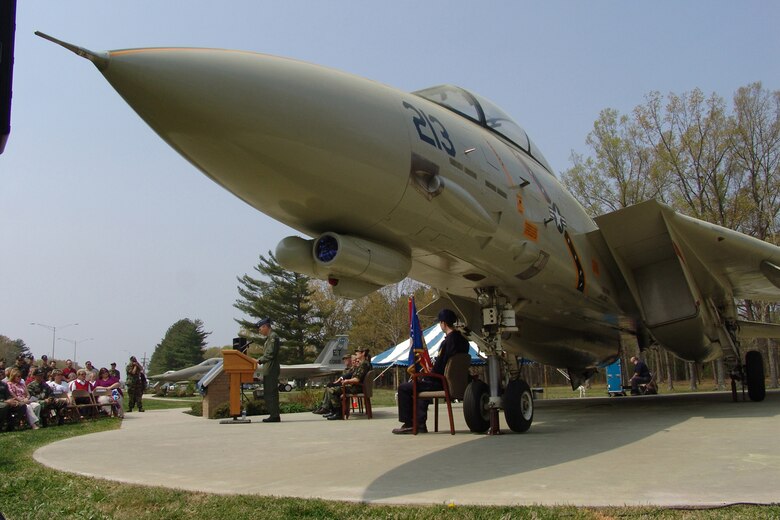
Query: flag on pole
[[419, 360]]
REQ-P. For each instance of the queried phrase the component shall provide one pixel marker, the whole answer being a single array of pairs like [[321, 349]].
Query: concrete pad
[[694, 449]]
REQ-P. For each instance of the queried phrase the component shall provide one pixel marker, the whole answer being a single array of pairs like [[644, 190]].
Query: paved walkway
[[690, 450]]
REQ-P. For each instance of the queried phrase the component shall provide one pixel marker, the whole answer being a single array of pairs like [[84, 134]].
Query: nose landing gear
[[751, 374], [505, 390]]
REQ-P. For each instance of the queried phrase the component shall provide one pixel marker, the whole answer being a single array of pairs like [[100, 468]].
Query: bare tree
[[621, 172]]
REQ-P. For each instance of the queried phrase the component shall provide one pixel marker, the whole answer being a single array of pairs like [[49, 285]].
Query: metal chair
[[83, 399], [454, 382]]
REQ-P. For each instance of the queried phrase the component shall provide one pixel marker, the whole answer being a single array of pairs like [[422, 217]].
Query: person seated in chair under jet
[[361, 366], [454, 343], [324, 406]]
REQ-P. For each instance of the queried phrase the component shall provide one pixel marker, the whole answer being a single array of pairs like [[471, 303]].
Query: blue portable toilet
[[615, 379]]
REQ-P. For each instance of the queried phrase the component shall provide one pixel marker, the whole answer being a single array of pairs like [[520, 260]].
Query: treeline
[[706, 158]]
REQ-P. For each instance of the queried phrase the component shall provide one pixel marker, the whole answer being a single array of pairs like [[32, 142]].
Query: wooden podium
[[240, 368]]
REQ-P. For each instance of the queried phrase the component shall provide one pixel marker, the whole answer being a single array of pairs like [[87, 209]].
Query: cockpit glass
[[454, 98], [497, 120], [485, 113]]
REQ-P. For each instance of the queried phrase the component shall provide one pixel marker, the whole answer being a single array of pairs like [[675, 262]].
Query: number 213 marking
[[430, 134]]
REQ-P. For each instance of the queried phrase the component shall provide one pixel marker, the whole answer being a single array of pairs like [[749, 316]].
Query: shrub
[[196, 409], [308, 399], [293, 408]]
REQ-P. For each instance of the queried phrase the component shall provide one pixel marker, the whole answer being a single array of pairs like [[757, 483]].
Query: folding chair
[[454, 382], [82, 399]]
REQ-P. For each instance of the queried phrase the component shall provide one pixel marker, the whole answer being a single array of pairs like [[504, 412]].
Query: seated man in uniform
[[45, 396], [454, 343], [324, 407], [361, 366]]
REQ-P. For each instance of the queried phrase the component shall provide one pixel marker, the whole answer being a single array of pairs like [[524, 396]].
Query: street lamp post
[[75, 344], [53, 329]]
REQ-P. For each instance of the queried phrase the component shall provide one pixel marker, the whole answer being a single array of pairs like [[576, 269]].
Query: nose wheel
[[518, 406], [476, 408], [754, 375], [751, 375]]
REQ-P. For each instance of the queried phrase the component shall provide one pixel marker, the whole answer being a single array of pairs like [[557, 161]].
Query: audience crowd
[[40, 393]]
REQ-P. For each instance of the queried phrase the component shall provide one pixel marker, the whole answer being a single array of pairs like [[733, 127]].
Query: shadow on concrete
[[563, 431]]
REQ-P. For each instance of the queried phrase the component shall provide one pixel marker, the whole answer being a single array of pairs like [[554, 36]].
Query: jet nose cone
[[302, 143]]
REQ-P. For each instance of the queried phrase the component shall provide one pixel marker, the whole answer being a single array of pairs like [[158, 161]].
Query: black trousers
[[406, 401]]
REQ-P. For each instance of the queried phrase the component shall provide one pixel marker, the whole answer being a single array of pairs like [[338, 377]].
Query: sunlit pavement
[[700, 449]]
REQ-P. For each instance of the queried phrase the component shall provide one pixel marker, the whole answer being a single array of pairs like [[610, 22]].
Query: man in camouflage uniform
[[136, 382], [45, 395], [270, 369], [45, 367], [350, 386], [324, 407]]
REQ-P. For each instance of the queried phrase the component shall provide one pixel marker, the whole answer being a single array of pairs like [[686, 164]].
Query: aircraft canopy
[[484, 113]]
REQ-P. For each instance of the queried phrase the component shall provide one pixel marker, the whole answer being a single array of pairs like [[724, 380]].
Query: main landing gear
[[482, 401], [751, 374]]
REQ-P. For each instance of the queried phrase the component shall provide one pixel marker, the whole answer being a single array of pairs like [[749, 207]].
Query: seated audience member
[[362, 365], [45, 366], [58, 385], [345, 374], [44, 394], [22, 366], [68, 370], [19, 391], [89, 368], [79, 383], [10, 409], [104, 387]]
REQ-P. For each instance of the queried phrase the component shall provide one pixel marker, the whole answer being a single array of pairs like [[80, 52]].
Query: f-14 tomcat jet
[[442, 186]]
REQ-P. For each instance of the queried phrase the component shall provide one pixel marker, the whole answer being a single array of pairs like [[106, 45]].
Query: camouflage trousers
[[135, 394], [333, 395]]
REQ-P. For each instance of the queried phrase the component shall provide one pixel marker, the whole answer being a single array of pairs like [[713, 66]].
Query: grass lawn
[[29, 490]]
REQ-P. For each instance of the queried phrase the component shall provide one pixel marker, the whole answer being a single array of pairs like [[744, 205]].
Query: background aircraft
[[328, 362], [442, 186], [192, 373]]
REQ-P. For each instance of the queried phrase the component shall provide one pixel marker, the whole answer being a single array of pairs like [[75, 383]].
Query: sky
[[102, 224]]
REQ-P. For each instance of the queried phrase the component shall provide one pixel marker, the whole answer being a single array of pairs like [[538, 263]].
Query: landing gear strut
[[505, 390], [751, 374]]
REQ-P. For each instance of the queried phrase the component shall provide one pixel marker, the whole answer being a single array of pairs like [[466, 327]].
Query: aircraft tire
[[518, 406], [754, 372], [475, 409]]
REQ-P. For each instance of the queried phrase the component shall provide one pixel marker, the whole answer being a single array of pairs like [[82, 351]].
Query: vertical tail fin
[[334, 349]]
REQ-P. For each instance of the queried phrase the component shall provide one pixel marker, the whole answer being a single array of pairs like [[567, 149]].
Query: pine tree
[[285, 297], [181, 347], [10, 349]]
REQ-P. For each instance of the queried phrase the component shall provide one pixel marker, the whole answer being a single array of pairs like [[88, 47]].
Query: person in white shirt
[[59, 386]]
